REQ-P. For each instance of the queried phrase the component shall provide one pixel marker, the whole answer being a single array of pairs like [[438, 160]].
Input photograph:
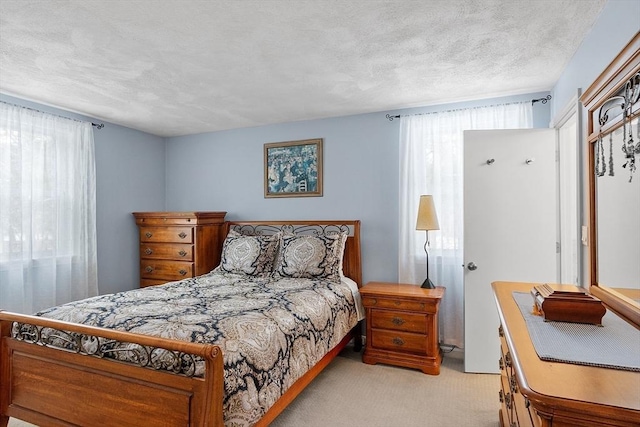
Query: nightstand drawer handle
[[398, 321], [182, 235], [149, 269], [182, 253], [398, 341], [182, 272], [148, 251], [148, 234], [397, 303]]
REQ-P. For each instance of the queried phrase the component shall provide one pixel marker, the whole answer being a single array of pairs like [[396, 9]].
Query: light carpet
[[351, 394]]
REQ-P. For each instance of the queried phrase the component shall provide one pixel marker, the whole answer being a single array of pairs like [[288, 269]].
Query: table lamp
[[427, 220]]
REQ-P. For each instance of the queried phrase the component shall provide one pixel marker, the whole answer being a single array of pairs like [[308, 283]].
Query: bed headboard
[[352, 262]]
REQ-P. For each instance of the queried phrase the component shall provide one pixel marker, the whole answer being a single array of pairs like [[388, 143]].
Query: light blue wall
[[224, 171], [129, 177], [618, 22]]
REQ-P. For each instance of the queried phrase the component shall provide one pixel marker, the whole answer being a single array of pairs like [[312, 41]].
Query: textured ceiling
[[177, 67]]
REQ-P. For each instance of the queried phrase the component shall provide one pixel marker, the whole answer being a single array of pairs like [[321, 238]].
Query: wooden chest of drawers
[[178, 245], [538, 393], [402, 325]]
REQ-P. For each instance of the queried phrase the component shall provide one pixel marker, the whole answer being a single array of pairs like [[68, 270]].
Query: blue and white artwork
[[293, 168]]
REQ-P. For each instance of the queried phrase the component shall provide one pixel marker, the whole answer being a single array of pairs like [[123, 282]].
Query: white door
[[568, 198], [509, 227]]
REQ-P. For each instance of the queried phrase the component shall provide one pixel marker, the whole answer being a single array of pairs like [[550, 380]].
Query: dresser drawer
[[175, 251], [399, 341], [397, 304], [170, 270], [162, 221], [166, 234], [399, 321]]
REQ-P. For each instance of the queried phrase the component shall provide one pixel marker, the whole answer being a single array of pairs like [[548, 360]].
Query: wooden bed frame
[[44, 385]]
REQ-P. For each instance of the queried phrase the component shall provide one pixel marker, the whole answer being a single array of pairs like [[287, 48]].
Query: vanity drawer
[[399, 321], [166, 234], [169, 270], [173, 251], [399, 341]]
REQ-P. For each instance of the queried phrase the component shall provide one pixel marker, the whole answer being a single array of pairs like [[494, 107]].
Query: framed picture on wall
[[293, 168]]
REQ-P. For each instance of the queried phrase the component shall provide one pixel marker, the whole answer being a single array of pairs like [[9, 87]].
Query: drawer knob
[[182, 253], [507, 359], [182, 272], [148, 251], [182, 235], [397, 303], [507, 400], [398, 321], [513, 385], [148, 234], [398, 341], [149, 269]]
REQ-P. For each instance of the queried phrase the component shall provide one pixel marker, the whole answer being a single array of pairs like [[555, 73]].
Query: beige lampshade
[[427, 218]]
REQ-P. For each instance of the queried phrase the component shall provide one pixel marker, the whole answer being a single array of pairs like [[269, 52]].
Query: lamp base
[[427, 284]]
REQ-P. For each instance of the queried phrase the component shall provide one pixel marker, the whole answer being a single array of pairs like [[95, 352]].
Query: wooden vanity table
[[550, 394]]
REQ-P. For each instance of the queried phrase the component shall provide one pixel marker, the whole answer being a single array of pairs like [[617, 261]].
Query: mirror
[[613, 142], [618, 211]]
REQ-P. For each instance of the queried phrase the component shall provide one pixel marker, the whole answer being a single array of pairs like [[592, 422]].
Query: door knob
[[472, 266]]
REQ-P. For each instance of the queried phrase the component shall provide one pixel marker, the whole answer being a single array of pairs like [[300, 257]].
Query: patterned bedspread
[[270, 331]]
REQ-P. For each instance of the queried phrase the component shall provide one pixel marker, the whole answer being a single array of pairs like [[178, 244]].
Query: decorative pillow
[[251, 255], [311, 256]]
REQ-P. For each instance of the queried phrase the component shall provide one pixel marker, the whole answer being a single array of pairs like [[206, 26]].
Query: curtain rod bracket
[[543, 100]]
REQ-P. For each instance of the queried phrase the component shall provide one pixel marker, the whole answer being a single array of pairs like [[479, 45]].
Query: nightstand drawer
[[399, 341], [392, 303], [166, 234], [399, 321], [170, 270], [175, 251]]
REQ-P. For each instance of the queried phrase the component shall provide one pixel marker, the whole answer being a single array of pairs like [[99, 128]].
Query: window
[[47, 210]]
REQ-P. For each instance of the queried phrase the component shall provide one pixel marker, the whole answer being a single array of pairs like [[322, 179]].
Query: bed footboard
[[46, 385]]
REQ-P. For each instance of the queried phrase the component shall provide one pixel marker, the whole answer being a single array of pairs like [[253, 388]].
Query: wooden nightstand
[[402, 325]]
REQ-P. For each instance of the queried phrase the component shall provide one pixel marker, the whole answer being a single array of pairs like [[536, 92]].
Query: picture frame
[[293, 168]]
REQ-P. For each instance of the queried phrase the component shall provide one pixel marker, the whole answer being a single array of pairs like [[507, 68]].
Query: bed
[[174, 355]]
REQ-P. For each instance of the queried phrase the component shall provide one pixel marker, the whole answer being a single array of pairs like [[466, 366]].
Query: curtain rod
[[533, 101], [96, 125]]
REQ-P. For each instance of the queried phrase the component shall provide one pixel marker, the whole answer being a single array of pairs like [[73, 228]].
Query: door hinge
[[557, 247]]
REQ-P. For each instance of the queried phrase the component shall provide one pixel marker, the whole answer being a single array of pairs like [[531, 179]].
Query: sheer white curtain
[[431, 162], [47, 210]]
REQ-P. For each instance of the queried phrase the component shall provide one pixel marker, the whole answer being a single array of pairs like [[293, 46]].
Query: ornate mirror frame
[[616, 80]]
